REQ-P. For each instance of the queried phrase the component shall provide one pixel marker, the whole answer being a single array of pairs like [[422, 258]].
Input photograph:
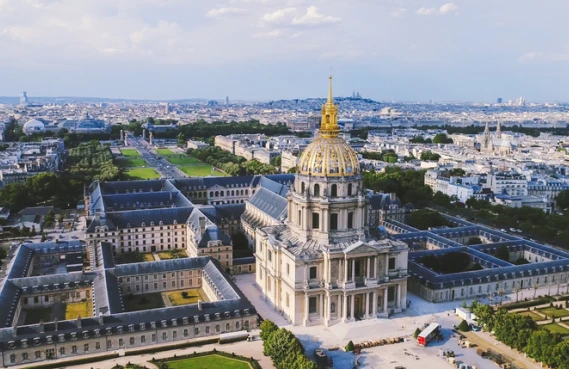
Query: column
[[322, 305], [329, 270], [375, 267], [352, 307], [385, 294], [329, 301], [345, 307], [367, 304], [386, 263], [374, 305], [353, 270], [306, 308], [368, 271], [398, 300], [345, 276]]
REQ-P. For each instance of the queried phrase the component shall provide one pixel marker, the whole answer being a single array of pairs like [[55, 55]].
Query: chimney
[[55, 323], [199, 304], [101, 321]]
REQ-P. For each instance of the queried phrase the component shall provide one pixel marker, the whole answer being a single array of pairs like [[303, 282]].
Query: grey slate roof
[[273, 204], [162, 266], [132, 186], [135, 218]]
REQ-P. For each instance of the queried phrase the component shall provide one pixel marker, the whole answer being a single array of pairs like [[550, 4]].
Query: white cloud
[[278, 16], [426, 11], [342, 55], [538, 56], [313, 18], [224, 11], [271, 34], [448, 8], [398, 12]]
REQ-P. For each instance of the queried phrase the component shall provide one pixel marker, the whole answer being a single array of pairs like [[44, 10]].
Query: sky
[[403, 50]]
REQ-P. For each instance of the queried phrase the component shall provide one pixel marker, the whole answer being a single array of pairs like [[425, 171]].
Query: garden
[[143, 302], [185, 297], [141, 173]]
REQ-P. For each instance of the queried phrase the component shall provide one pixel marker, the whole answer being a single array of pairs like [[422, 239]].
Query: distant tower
[[498, 130], [150, 138], [122, 135], [226, 100], [24, 98], [487, 138], [499, 100], [126, 139]]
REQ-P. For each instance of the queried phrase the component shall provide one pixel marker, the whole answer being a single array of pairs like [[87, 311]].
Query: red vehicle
[[432, 331]]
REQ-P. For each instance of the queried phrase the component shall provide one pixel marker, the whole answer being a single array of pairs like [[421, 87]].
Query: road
[[161, 165]]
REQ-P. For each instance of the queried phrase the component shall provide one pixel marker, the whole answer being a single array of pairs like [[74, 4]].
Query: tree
[[350, 346], [181, 140], [267, 328], [540, 346], [484, 315], [474, 241], [463, 326], [562, 200], [503, 253], [283, 348], [424, 219], [276, 161], [185, 294], [442, 138], [559, 355], [441, 199], [418, 140], [429, 156]]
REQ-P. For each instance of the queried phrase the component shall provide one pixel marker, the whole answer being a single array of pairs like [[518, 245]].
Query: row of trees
[[408, 184], [388, 156], [440, 138], [284, 349], [231, 164], [429, 156], [553, 228], [523, 334]]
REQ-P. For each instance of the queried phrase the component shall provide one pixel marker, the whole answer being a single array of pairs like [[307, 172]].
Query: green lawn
[[143, 302], [142, 173], [132, 153], [199, 171], [183, 160], [131, 162], [532, 315], [556, 328], [172, 254], [177, 299], [553, 312], [165, 152], [83, 308], [210, 362]]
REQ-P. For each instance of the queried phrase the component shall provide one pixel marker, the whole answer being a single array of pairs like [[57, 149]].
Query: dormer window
[[174, 322], [206, 316], [119, 329], [24, 343], [109, 331], [61, 337], [142, 326], [143, 224], [49, 339], [217, 316], [153, 325], [164, 325], [85, 334], [97, 333], [196, 319], [74, 336], [131, 327]]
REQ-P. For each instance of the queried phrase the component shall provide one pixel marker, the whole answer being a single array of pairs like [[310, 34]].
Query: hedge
[[65, 364], [249, 360], [153, 349], [530, 303]]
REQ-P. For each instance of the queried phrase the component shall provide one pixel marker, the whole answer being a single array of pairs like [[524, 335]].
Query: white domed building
[[33, 126], [321, 265]]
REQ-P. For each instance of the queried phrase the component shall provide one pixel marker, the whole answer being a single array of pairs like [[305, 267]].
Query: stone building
[[318, 264]]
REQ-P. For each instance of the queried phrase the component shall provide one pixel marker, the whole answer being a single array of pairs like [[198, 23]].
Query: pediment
[[359, 248]]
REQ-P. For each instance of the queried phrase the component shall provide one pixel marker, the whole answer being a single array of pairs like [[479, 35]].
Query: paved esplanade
[[162, 166]]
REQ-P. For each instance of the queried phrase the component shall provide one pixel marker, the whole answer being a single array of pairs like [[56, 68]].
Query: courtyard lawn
[[132, 153], [177, 299], [210, 361], [131, 257], [172, 254], [532, 315], [34, 316], [184, 160], [556, 328], [553, 312], [131, 162], [142, 173], [199, 171], [143, 302], [165, 152], [74, 309], [147, 257]]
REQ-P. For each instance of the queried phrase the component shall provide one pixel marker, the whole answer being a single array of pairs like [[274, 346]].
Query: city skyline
[[387, 50]]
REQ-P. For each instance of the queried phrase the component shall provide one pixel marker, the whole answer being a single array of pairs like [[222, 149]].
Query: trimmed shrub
[[350, 347], [463, 326], [417, 333]]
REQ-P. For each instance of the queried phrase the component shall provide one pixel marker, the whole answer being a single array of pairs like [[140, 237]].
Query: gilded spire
[[329, 126]]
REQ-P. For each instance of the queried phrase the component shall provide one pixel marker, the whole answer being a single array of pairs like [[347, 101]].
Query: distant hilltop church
[[495, 144]]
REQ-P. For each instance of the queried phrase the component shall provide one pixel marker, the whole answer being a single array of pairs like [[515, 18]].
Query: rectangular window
[[86, 347], [312, 305], [350, 220], [74, 349], [109, 345], [313, 272], [153, 337], [174, 334], [333, 222], [315, 221], [288, 269], [97, 345], [131, 341], [186, 333], [391, 263], [196, 331], [143, 339], [206, 330], [121, 342]]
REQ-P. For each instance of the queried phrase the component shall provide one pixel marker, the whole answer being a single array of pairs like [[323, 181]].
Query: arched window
[[232, 192], [349, 189], [317, 190], [334, 191], [216, 193], [302, 187], [211, 194], [222, 193]]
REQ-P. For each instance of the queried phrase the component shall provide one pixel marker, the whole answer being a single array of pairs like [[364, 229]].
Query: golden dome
[[329, 155]]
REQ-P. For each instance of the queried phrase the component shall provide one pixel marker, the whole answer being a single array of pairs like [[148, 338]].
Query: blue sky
[[406, 50]]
